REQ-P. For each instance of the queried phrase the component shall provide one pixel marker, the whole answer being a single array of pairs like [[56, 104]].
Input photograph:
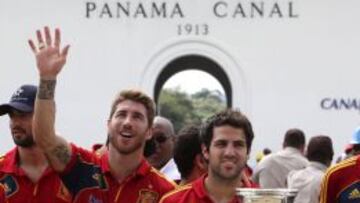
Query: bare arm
[[49, 61]]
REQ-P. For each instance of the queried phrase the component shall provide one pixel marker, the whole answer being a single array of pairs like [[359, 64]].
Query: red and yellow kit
[[20, 189], [341, 183], [88, 179], [194, 192], [2, 194]]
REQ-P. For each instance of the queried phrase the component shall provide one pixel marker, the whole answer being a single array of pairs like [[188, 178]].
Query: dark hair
[[187, 146], [266, 151], [320, 149], [136, 96], [356, 148], [233, 118], [294, 138]]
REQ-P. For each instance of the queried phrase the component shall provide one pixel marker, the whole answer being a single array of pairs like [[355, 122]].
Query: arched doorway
[[209, 56], [194, 62]]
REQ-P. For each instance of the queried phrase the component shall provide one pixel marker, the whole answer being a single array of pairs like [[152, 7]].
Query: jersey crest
[[10, 185], [147, 196]]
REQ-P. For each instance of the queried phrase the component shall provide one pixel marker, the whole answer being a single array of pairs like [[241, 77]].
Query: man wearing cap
[[341, 183], [119, 175], [24, 171]]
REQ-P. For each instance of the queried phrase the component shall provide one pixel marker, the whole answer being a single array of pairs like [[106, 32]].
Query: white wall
[[286, 66]]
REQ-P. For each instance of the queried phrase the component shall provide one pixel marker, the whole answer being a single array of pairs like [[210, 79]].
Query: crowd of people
[[145, 160]]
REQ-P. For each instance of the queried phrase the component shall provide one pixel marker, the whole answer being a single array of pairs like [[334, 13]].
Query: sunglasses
[[160, 138]]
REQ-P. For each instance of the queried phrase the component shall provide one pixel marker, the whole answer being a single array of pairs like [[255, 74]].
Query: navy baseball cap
[[22, 100]]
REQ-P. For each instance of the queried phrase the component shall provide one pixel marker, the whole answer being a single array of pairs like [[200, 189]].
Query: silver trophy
[[251, 195]]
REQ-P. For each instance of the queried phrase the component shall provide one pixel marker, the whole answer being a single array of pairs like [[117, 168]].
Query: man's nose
[[127, 121], [229, 150]]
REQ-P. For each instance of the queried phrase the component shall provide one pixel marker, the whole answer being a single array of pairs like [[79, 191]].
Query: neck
[[32, 156], [221, 190], [122, 165], [195, 174]]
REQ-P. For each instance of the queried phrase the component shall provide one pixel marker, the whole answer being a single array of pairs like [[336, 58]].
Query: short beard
[[28, 142], [217, 175], [124, 151]]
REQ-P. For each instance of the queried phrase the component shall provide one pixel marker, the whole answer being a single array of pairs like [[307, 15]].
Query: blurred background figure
[[188, 156], [355, 143], [307, 181], [345, 154], [163, 136], [266, 151], [352, 148], [272, 171], [260, 155]]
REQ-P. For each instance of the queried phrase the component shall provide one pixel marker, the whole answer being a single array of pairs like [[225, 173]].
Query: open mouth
[[126, 134]]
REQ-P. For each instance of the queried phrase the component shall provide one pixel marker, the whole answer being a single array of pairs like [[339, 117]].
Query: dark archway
[[194, 62]]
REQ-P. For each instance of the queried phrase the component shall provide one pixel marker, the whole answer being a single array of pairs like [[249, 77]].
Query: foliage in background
[[183, 108]]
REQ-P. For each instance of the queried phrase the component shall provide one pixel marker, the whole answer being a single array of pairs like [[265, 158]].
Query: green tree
[[182, 108], [207, 102]]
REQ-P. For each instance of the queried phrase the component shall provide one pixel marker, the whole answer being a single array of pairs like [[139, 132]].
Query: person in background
[[272, 171], [187, 154], [164, 138], [307, 181], [354, 150], [260, 155], [24, 170], [121, 174], [341, 183], [266, 151], [226, 139]]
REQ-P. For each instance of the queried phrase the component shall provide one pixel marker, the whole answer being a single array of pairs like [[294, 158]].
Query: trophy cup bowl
[[278, 195]]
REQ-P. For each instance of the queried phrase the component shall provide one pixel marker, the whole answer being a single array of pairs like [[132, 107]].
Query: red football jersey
[[2, 194], [88, 179], [194, 193], [341, 183], [20, 189]]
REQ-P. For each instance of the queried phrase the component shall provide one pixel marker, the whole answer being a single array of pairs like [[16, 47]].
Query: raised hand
[[49, 59]]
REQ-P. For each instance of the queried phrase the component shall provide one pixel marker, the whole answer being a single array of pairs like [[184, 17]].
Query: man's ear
[[205, 152], [200, 162], [149, 133]]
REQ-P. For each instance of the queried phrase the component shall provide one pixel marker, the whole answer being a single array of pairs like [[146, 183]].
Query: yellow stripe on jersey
[[154, 170], [324, 185], [179, 189]]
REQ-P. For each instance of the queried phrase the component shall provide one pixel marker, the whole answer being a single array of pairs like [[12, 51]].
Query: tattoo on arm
[[62, 153], [46, 89]]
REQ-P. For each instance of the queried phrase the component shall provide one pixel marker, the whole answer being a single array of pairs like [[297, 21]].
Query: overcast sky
[[192, 81]]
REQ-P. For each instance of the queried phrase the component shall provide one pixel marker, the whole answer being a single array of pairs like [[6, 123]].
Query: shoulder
[[2, 158], [338, 171], [347, 164], [177, 194], [161, 179], [84, 154], [2, 162]]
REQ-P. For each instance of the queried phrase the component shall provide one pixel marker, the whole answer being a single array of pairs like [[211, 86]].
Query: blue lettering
[[325, 103], [340, 104]]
